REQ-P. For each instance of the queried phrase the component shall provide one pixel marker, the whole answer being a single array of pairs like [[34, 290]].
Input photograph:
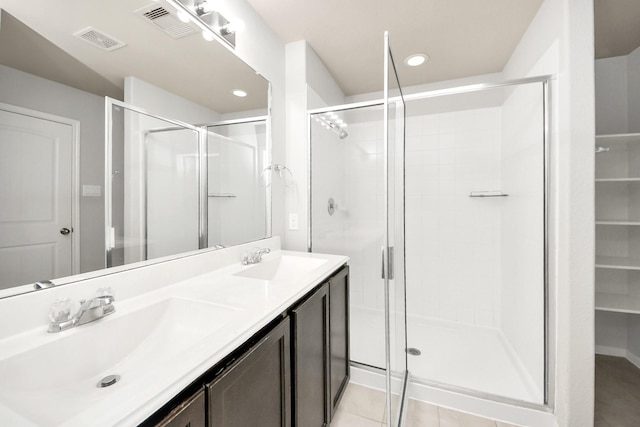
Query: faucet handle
[[106, 292], [61, 310]]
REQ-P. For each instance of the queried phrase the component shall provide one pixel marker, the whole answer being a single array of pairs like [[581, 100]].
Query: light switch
[[293, 221]]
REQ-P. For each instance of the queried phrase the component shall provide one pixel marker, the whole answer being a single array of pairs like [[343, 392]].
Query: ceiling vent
[[99, 39], [167, 21]]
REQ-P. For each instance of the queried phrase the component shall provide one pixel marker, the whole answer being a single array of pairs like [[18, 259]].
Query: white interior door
[[36, 167]]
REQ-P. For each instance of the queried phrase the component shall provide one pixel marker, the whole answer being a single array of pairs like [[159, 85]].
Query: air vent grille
[[166, 21], [99, 39], [156, 13]]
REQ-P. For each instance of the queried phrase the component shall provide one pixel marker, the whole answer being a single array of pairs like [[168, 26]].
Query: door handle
[[64, 231]]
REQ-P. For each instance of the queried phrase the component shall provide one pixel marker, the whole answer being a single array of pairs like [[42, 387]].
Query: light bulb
[[184, 16], [207, 35], [235, 26], [239, 93]]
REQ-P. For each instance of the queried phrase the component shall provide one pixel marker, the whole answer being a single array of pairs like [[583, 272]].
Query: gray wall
[[28, 91]]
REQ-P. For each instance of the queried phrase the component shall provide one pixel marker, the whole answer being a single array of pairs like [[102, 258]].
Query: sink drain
[[413, 351], [108, 381]]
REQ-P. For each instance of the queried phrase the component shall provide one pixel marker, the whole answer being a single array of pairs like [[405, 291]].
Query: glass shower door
[[393, 246]]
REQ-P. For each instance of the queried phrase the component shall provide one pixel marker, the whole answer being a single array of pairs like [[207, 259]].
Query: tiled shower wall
[[452, 240]]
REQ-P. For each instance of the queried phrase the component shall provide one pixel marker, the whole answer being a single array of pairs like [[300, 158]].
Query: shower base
[[468, 357], [452, 355]]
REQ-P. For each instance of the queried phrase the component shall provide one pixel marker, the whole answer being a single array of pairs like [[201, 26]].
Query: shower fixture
[[601, 149], [333, 122]]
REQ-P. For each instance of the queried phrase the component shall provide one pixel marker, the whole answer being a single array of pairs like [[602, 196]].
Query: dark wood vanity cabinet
[[338, 337], [190, 413], [292, 372], [321, 351], [256, 389]]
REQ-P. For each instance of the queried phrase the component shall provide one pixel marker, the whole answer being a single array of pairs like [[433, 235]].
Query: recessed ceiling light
[[240, 93], [416, 59]]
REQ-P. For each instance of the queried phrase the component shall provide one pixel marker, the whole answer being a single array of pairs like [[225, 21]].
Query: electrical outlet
[[293, 221]]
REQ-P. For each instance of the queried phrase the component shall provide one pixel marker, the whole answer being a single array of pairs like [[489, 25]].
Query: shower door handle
[[390, 265]]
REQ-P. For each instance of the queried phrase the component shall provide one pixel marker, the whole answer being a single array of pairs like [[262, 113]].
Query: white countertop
[[249, 304]]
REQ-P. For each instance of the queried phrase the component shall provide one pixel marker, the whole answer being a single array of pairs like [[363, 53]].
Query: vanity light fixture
[[239, 93], [416, 59], [205, 15], [205, 7], [234, 27]]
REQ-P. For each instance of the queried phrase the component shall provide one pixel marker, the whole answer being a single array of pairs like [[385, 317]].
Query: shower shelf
[[617, 303], [488, 193], [617, 179]]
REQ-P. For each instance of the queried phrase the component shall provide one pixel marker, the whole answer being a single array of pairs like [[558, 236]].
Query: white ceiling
[[462, 37], [617, 27], [204, 72]]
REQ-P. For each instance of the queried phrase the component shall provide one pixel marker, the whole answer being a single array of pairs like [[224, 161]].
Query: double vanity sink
[[120, 369]]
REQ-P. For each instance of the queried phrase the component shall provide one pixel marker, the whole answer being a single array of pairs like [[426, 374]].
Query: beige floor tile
[[363, 401], [450, 418], [421, 414], [346, 419], [501, 424]]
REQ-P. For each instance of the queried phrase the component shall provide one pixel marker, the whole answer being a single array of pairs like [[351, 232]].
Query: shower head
[[333, 122]]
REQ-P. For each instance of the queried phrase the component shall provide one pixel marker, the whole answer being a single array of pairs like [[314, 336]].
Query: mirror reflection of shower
[[333, 122]]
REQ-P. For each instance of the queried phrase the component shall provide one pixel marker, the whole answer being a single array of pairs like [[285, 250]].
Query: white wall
[[28, 91], [309, 85], [633, 86], [560, 42], [611, 95], [163, 103]]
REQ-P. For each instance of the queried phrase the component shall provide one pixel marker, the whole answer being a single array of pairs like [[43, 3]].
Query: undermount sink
[[284, 267], [57, 381]]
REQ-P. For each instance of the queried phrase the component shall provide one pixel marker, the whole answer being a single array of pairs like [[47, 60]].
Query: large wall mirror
[[199, 149]]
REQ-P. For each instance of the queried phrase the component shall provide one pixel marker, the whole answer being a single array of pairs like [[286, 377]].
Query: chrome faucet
[[253, 257], [90, 310]]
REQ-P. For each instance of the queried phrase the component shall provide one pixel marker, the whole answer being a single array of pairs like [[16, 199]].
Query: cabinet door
[[190, 413], [255, 390], [310, 329], [338, 336]]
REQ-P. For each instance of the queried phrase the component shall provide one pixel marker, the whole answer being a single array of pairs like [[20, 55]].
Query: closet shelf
[[617, 222], [618, 263], [618, 138], [617, 303], [617, 179]]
